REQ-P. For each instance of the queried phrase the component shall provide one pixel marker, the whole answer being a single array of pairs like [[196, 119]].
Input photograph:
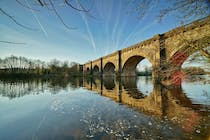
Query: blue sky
[[109, 25]]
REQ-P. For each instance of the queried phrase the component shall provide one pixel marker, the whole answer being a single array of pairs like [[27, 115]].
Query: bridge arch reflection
[[161, 102], [109, 83], [130, 86]]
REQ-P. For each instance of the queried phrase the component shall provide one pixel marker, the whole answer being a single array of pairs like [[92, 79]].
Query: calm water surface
[[129, 108]]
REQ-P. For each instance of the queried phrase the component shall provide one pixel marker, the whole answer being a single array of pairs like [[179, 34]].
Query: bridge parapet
[[187, 27], [190, 26], [96, 61], [182, 39], [142, 44], [111, 55]]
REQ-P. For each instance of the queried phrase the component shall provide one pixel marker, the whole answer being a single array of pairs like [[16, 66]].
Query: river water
[[126, 108]]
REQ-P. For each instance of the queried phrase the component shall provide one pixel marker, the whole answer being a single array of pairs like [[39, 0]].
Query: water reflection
[[129, 84], [156, 111], [109, 83], [169, 103], [13, 88]]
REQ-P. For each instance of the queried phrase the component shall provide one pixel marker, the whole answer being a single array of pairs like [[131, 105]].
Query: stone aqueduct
[[171, 47]]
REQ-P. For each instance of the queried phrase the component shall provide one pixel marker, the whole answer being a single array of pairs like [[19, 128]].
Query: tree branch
[[60, 18], [81, 10], [9, 42], [15, 21], [25, 6], [41, 3]]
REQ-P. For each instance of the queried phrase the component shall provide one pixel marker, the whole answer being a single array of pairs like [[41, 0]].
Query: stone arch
[[129, 66], [178, 57], [95, 69], [181, 55], [109, 68], [173, 66]]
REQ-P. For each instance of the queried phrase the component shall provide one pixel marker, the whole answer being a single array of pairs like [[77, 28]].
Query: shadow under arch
[[129, 67], [95, 70], [109, 69]]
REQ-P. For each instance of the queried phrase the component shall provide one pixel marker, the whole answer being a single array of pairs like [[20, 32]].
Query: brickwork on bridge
[[160, 49]]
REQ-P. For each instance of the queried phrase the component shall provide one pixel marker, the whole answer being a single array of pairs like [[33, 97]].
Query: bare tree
[[186, 10], [48, 4]]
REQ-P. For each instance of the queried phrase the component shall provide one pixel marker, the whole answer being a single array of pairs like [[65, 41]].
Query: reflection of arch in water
[[163, 102], [96, 83], [80, 82], [144, 84], [109, 69], [170, 102], [199, 89], [129, 84], [176, 104], [87, 82], [109, 83]]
